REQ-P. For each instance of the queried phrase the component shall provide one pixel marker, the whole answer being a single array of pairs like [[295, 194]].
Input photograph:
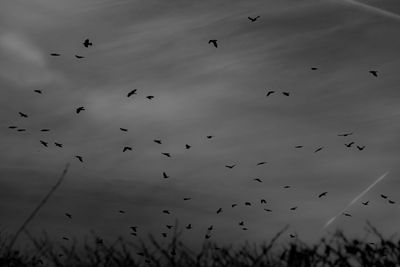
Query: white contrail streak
[[330, 221], [373, 9]]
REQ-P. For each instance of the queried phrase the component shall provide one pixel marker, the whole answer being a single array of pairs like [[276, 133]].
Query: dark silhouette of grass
[[337, 251]]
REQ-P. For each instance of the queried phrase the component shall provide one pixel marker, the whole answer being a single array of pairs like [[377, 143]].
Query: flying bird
[[23, 115], [65, 238], [80, 109], [87, 43], [133, 228], [121, 211], [230, 166], [126, 148], [374, 72], [78, 56], [157, 141], [391, 201], [360, 148], [209, 136], [210, 228], [314, 68], [253, 19], [150, 97], [294, 208], [365, 203], [384, 196], [270, 93], [347, 214], [349, 144], [37, 91], [123, 129], [268, 210], [189, 226], [187, 146], [166, 154], [258, 180], [80, 158], [214, 42], [292, 236], [55, 54], [43, 143], [286, 186], [164, 235], [241, 223], [219, 210], [21, 130], [318, 149], [233, 205], [298, 146], [187, 198], [166, 211], [131, 93], [263, 201], [12, 127], [261, 163], [247, 203], [45, 130], [169, 226], [286, 93], [68, 215], [58, 144], [345, 134], [165, 175], [322, 194]]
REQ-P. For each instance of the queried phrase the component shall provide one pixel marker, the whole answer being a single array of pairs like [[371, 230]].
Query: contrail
[[374, 9], [330, 221]]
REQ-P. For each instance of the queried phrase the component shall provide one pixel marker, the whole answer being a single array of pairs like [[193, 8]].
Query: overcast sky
[[161, 48]]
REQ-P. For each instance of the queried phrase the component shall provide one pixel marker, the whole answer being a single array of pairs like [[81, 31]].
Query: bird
[[286, 93], [384, 196], [263, 201], [298, 146], [123, 129], [209, 136], [37, 91], [244, 228], [345, 134], [365, 203], [133, 228], [292, 236], [43, 143], [134, 233], [45, 130], [166, 154], [207, 236], [79, 109], [349, 144], [219, 210], [187, 146], [270, 93], [157, 141], [78, 56], [210, 228], [286, 186], [253, 19], [133, 92], [12, 127], [65, 238], [247, 203], [80, 158], [347, 214], [166, 211], [374, 72], [187, 198], [293, 208], [121, 211], [268, 210], [391, 201], [23, 115], [87, 43], [21, 130], [261, 163], [258, 180], [322, 194], [230, 166], [68, 215], [58, 144], [314, 68], [241, 223], [214, 42], [169, 226], [126, 148], [233, 205], [164, 235], [150, 97], [189, 226], [318, 149], [360, 148], [165, 175], [55, 54]]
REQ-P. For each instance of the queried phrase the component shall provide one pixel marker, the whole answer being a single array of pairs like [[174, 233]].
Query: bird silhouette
[[121, 211], [23, 115], [187, 198], [365, 203], [233, 205], [65, 238], [286, 93], [258, 180], [219, 210], [207, 236], [293, 208], [123, 129], [78, 56], [165, 175], [133, 233], [189, 226], [21, 130], [210, 228], [298, 146], [384, 196], [268, 210], [318, 149], [253, 19], [292, 236], [131, 93], [245, 229], [157, 141], [270, 93], [164, 235], [187, 146], [286, 186], [261, 163], [150, 97], [247, 203], [78, 110], [68, 215], [45, 130], [126, 148], [322, 194], [58, 144], [87, 43], [55, 54], [166, 211], [166, 154], [80, 158], [374, 72], [230, 166], [347, 214], [360, 148], [169, 226], [133, 228], [209, 136], [241, 223], [345, 134], [214, 42], [12, 127], [314, 68], [349, 144], [391, 201], [43, 143], [38, 91], [263, 201]]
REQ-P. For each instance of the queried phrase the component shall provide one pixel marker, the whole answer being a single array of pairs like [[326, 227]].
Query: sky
[[161, 49]]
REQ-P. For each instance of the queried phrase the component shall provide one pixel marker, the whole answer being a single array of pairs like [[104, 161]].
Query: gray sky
[[161, 48]]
